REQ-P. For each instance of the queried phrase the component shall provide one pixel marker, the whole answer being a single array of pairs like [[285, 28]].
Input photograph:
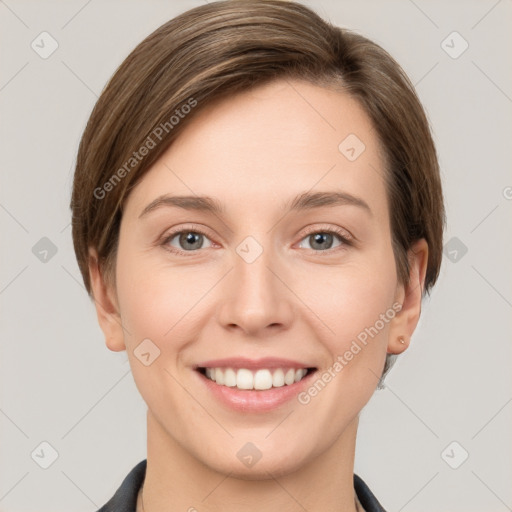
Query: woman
[[257, 214]]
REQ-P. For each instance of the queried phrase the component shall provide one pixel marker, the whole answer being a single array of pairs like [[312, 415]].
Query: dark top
[[125, 498]]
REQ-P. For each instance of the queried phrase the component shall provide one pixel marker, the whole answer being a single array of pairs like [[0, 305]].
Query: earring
[[401, 340]]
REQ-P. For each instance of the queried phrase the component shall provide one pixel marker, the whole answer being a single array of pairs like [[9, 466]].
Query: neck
[[176, 480]]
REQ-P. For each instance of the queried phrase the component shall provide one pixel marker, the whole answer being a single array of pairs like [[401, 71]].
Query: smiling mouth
[[258, 380]]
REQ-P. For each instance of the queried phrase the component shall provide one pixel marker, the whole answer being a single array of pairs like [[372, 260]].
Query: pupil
[[321, 237], [190, 237]]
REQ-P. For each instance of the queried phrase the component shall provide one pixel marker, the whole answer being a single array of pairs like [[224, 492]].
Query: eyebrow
[[304, 201], [310, 200]]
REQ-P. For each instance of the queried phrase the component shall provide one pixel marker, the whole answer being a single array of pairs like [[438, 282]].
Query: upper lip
[[244, 362]]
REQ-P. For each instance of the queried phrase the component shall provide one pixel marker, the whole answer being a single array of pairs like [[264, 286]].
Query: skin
[[253, 153]]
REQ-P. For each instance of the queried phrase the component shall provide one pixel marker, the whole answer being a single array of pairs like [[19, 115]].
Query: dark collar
[[125, 498]]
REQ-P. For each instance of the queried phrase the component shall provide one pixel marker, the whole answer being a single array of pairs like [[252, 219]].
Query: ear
[[107, 308], [405, 321]]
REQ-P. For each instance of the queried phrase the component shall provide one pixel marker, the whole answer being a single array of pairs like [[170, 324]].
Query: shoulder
[[366, 497], [125, 498]]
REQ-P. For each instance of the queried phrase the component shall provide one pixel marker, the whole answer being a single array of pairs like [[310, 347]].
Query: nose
[[256, 297]]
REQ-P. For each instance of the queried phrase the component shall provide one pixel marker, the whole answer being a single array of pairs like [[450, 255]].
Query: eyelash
[[346, 241]]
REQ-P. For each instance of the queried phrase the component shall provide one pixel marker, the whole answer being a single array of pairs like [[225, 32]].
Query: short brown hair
[[216, 50]]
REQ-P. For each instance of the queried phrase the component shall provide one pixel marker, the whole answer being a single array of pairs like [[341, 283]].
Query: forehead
[[269, 143]]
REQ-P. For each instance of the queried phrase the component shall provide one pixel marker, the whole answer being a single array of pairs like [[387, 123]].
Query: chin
[[276, 465]]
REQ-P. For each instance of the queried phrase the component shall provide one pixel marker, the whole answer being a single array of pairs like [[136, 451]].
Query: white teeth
[[278, 378], [259, 380], [289, 378], [229, 378], [244, 379], [299, 374], [262, 379], [219, 376]]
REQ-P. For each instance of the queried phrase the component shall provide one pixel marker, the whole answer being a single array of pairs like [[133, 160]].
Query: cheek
[[356, 310], [164, 303], [154, 302], [152, 295], [355, 303]]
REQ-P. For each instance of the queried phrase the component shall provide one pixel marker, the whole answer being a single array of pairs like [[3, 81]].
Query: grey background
[[60, 384]]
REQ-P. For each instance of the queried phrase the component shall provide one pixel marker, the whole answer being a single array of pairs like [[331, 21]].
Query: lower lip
[[252, 400]]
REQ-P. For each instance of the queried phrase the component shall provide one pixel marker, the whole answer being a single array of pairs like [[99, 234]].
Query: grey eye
[[321, 240], [188, 240]]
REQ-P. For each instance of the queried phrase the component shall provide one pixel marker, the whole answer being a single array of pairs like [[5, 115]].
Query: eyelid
[[346, 239], [170, 234], [342, 233]]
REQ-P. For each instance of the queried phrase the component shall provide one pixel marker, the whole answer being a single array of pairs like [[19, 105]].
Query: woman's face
[[283, 270]]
